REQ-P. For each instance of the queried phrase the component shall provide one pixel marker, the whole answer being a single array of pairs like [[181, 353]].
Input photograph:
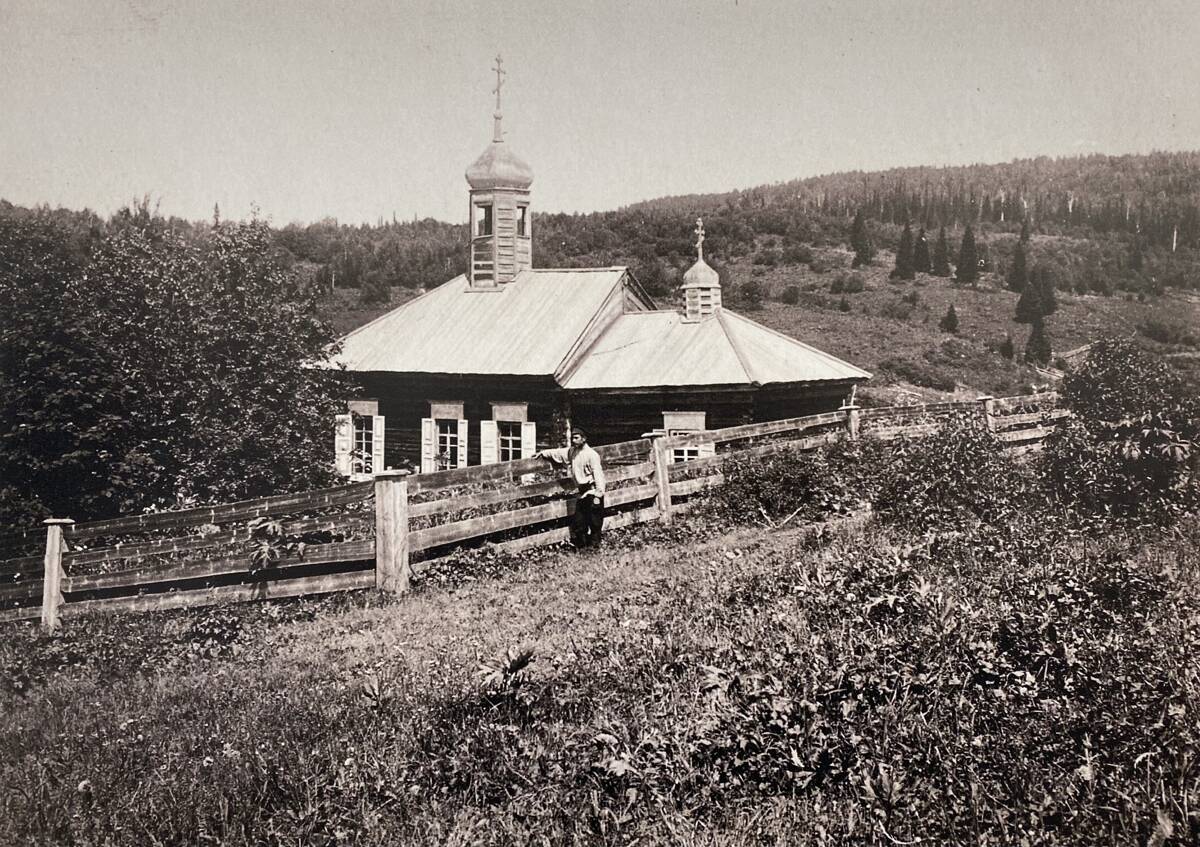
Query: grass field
[[727, 688]]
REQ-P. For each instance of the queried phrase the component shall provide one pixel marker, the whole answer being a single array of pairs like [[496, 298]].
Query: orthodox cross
[[700, 238], [500, 74]]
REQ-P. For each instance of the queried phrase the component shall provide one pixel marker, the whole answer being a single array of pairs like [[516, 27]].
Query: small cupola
[[501, 237], [701, 284]]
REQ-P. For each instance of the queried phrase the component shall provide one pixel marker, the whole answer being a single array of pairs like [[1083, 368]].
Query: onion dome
[[499, 167], [701, 275]]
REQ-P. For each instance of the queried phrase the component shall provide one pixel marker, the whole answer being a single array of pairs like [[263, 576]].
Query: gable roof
[[527, 327], [650, 349]]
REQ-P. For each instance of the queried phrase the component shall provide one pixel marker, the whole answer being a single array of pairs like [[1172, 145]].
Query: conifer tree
[[941, 255], [1018, 273], [949, 323], [1038, 300], [904, 257], [1006, 347], [860, 242], [1038, 348], [968, 262], [1044, 278], [1137, 259], [1025, 230], [1029, 304], [921, 262]]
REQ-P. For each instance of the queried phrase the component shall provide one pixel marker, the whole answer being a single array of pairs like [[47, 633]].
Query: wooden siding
[[404, 401]]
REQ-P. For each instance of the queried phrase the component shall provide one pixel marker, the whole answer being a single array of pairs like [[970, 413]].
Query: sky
[[301, 110]]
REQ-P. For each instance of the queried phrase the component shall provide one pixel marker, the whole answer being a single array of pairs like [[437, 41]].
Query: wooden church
[[508, 358]]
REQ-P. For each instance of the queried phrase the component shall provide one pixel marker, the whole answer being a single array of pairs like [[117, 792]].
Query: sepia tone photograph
[[691, 422]]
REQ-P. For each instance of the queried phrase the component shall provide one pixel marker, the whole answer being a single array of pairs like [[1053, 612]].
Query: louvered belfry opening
[[501, 236], [501, 245], [701, 284]]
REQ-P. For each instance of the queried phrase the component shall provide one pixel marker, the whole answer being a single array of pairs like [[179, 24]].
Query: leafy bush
[[797, 254], [1118, 380], [847, 283], [1169, 333], [797, 485], [919, 373], [898, 309], [952, 479]]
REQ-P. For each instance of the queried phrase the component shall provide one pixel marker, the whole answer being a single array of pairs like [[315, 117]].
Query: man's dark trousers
[[587, 521]]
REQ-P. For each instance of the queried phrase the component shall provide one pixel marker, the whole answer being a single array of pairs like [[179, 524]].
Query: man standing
[[585, 467]]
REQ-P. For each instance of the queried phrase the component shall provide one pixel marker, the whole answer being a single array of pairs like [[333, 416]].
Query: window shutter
[[343, 443], [428, 445], [707, 448], [462, 443], [488, 443], [377, 440], [528, 439]]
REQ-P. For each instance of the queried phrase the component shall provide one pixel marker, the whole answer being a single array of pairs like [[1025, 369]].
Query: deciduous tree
[[167, 372]]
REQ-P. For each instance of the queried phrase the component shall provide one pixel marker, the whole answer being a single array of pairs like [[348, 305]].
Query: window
[[483, 219], [522, 220], [509, 433], [682, 423], [447, 445], [358, 440], [683, 454], [364, 444]]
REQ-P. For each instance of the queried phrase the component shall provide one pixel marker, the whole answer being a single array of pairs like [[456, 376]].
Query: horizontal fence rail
[[381, 532]]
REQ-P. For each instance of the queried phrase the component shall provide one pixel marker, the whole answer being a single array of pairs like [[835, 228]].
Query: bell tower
[[701, 285], [501, 223]]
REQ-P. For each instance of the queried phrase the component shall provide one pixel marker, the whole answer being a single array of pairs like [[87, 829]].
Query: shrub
[[1118, 380], [1168, 333], [843, 305], [847, 283], [949, 323], [953, 479], [797, 254], [751, 295], [923, 374], [897, 310], [790, 296], [794, 484], [1129, 448], [1006, 348]]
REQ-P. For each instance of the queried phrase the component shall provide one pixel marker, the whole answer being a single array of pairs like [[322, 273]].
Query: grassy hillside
[[891, 327], [748, 687]]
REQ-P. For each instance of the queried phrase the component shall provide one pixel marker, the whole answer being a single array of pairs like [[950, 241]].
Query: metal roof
[[647, 349], [525, 327]]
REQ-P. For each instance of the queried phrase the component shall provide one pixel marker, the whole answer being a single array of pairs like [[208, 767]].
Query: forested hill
[[1107, 223], [1152, 193]]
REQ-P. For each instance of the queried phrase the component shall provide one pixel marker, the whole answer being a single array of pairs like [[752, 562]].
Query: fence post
[[851, 411], [662, 477], [52, 579], [391, 532], [987, 404]]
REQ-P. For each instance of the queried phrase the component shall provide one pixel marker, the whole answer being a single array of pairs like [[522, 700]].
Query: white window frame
[[685, 423]]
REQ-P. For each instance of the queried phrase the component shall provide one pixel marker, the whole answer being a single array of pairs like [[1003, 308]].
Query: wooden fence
[[381, 532]]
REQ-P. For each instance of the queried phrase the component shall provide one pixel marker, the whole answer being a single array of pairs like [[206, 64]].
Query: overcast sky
[[357, 110]]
